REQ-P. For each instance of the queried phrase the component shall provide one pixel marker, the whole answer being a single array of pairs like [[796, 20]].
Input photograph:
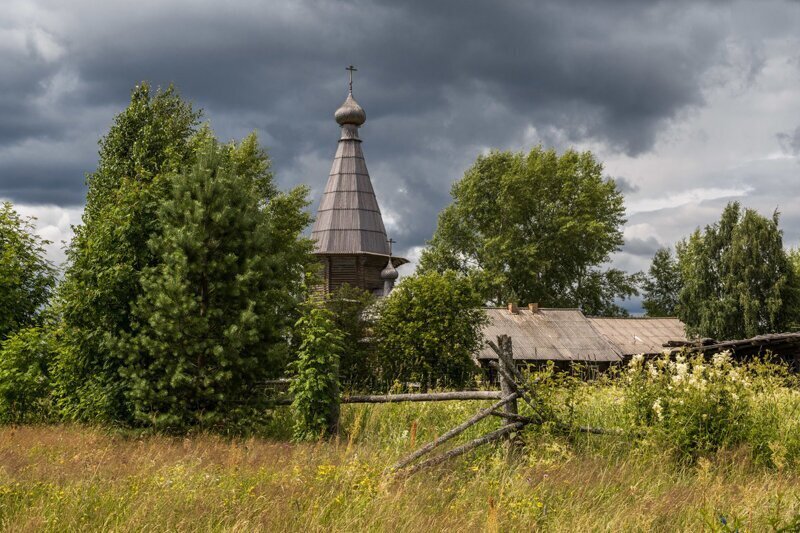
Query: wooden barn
[[567, 336]]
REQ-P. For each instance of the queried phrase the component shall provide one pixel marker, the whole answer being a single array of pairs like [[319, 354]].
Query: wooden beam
[[455, 431], [429, 397], [464, 448]]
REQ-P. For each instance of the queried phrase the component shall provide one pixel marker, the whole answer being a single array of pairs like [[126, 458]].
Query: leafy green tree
[[429, 328], [738, 280], [147, 144], [662, 285], [214, 313], [535, 227], [315, 387], [358, 368], [25, 376], [26, 277]]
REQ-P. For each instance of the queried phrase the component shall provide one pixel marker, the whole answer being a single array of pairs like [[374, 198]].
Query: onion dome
[[389, 273], [350, 112]]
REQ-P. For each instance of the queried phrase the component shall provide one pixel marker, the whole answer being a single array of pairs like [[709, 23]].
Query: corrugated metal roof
[[548, 335], [639, 335]]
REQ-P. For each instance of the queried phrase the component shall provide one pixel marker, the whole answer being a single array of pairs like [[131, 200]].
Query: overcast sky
[[688, 104]]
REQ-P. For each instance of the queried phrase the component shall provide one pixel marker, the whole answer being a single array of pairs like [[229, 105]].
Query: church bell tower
[[350, 238]]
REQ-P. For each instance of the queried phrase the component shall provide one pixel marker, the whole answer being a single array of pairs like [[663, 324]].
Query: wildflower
[[652, 370], [680, 372], [719, 359], [658, 410]]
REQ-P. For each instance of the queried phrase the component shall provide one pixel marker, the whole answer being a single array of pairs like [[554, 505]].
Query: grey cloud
[[641, 247], [625, 185], [440, 81], [790, 141]]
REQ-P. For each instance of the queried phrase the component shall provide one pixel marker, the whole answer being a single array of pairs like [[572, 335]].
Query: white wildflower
[[719, 359], [680, 372], [658, 409]]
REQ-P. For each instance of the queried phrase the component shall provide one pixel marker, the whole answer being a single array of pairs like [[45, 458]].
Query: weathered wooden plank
[[471, 445], [419, 397], [455, 431]]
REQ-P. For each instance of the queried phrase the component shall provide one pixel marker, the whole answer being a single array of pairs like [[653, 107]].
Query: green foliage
[[214, 313], [738, 281], [428, 330], [26, 277], [25, 376], [662, 285], [148, 142], [358, 368], [535, 227], [315, 386], [696, 407]]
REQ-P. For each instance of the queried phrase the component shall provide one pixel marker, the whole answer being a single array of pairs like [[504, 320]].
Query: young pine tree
[[212, 318]]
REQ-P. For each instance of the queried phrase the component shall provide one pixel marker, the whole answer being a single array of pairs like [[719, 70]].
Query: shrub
[[358, 367], [695, 406], [429, 329], [25, 376], [315, 386]]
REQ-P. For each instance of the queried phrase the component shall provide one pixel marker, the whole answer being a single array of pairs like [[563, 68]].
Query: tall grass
[[78, 478]]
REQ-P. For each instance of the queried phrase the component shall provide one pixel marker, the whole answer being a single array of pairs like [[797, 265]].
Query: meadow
[[739, 470]]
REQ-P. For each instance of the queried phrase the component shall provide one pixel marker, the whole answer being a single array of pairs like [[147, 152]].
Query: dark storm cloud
[[441, 82]]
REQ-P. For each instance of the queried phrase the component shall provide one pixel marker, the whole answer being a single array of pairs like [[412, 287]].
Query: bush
[[315, 386], [429, 329], [695, 406], [25, 376], [358, 368]]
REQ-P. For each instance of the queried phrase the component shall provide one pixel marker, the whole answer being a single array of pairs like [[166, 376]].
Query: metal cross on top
[[391, 242], [351, 69]]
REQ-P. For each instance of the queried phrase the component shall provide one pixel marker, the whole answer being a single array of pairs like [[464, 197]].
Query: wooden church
[[350, 238]]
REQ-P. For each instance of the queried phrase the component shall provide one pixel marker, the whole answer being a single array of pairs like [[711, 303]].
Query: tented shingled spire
[[349, 220]]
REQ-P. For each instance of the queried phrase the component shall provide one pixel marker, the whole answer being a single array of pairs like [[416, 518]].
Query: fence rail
[[414, 397]]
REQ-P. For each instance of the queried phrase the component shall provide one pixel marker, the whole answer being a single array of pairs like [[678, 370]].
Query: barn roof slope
[[633, 336], [548, 335]]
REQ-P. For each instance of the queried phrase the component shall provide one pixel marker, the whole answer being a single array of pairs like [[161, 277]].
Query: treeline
[[731, 280], [188, 284]]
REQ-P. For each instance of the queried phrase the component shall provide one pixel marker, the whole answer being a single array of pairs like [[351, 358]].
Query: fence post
[[504, 343]]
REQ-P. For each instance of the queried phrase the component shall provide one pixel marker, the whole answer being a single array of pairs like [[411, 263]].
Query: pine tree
[[212, 319], [662, 285]]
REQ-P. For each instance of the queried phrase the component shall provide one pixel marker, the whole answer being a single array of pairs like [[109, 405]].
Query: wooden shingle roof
[[569, 335], [633, 336], [548, 335], [349, 220]]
